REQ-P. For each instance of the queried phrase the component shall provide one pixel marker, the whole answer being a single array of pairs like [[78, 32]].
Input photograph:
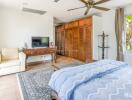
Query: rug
[[34, 84]]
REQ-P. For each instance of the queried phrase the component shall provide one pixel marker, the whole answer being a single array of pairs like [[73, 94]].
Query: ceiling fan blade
[[101, 8], [76, 8], [84, 1], [102, 1], [86, 12], [56, 0]]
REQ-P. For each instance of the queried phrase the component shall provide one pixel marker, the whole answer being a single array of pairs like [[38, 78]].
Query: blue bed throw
[[67, 80]]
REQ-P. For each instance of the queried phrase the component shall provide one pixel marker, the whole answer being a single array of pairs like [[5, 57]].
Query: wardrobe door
[[75, 43], [66, 43], [81, 43], [88, 44], [63, 42], [70, 42], [57, 39], [59, 42]]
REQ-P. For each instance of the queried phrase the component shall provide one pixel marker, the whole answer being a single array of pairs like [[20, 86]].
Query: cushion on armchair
[[9, 54], [10, 63]]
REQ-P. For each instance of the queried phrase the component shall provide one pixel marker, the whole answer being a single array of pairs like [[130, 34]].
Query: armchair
[[11, 61]]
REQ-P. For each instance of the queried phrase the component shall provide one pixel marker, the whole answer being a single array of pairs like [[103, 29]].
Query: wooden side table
[[41, 51]]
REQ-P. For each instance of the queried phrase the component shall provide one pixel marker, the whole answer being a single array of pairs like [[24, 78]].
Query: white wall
[[128, 10], [109, 28], [97, 29], [17, 27]]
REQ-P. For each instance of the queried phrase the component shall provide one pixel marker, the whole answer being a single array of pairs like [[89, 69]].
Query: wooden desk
[[41, 51]]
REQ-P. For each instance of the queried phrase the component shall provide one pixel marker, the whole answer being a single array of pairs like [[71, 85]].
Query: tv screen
[[40, 42]]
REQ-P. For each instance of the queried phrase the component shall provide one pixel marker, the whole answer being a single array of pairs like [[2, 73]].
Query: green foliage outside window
[[129, 32]]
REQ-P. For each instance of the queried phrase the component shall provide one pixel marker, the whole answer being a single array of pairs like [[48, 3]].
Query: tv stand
[[41, 51]]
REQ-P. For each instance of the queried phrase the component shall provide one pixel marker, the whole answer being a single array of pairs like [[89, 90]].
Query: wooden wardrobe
[[75, 39]]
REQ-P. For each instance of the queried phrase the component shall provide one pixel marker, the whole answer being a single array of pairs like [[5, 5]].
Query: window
[[129, 32]]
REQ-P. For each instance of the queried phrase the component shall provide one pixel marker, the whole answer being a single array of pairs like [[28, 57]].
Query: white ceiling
[[59, 9]]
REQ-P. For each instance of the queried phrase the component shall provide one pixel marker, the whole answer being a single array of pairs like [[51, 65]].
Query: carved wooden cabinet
[[60, 40], [75, 39]]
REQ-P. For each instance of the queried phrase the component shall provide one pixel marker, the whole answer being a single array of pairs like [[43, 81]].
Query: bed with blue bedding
[[102, 80]]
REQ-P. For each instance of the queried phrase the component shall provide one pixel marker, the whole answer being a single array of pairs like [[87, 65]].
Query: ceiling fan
[[56, 0], [91, 4]]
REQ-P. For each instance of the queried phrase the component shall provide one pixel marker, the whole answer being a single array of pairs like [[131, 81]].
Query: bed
[[101, 80]]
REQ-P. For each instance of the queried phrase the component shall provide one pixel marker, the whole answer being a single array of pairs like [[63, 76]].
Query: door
[[62, 42], [88, 44], [81, 43]]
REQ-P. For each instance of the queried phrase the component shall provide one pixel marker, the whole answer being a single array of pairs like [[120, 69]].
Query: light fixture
[[30, 10]]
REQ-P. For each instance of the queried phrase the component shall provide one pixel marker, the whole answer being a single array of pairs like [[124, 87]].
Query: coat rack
[[103, 39]]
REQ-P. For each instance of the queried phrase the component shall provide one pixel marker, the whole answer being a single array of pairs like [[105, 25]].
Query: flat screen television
[[40, 42]]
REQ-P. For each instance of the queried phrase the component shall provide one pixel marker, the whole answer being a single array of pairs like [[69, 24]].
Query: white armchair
[[22, 58], [11, 61]]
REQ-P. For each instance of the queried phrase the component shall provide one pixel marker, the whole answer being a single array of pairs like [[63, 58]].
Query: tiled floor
[[9, 89]]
